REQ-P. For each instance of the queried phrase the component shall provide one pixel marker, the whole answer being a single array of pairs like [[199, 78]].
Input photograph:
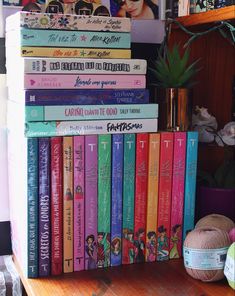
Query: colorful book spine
[[83, 66], [116, 214], [190, 182], [128, 247], [56, 206], [152, 198], [177, 196], [83, 97], [72, 81], [68, 204], [32, 208], [104, 201], [79, 201], [90, 112], [164, 195], [91, 176], [73, 128], [73, 22], [97, 53], [44, 206], [59, 38]]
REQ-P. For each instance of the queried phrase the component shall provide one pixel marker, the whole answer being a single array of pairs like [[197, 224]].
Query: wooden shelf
[[221, 14], [149, 279]]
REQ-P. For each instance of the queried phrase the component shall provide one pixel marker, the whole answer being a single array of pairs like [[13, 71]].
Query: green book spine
[[104, 200]]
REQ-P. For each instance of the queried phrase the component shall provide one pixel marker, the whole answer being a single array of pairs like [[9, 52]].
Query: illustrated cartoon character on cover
[[90, 250], [68, 194], [116, 246], [128, 250], [139, 246], [78, 193], [151, 246], [174, 253], [162, 243], [103, 249]]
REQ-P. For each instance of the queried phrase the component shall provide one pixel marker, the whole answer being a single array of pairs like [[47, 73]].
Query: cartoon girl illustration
[[162, 243], [128, 252], [116, 246], [90, 250], [78, 193], [68, 194], [151, 246], [139, 246], [174, 253]]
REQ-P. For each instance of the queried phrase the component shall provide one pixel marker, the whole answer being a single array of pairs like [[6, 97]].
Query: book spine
[[97, 53], [68, 22], [84, 66], [90, 112], [68, 204], [59, 38], [220, 3], [104, 200], [72, 81], [177, 195], [141, 182], [128, 249], [190, 182], [183, 7], [33, 208], [69, 128], [117, 177], [210, 4], [164, 196], [200, 6], [91, 177], [79, 201], [152, 198], [83, 97], [56, 206], [44, 206]]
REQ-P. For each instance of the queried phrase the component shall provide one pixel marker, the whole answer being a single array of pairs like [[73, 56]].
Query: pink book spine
[[79, 160], [177, 202], [70, 81]]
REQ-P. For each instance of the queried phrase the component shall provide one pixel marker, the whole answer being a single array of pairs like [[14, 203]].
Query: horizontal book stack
[[60, 112]]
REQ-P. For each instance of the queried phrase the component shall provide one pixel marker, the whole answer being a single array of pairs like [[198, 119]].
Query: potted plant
[[216, 191], [174, 73]]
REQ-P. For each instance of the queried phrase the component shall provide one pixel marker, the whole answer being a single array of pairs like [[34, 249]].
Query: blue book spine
[[59, 38], [44, 206], [117, 176], [190, 182], [32, 207], [84, 97]]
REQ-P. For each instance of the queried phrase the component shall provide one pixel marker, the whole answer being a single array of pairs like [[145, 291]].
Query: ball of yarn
[[201, 244], [229, 269], [232, 235], [216, 220]]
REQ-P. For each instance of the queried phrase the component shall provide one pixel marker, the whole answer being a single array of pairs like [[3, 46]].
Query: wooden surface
[[221, 14], [149, 279]]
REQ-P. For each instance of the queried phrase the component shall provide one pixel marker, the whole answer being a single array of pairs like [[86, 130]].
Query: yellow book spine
[[68, 204], [152, 197], [76, 52]]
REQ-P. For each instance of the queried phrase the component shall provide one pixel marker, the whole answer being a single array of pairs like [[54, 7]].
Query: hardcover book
[[91, 167], [164, 195], [68, 235], [117, 178], [44, 218], [128, 248], [79, 201], [141, 184], [104, 200], [177, 196], [56, 206], [152, 198]]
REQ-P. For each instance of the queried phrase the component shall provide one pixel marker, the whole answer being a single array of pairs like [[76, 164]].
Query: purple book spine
[[44, 206], [91, 192]]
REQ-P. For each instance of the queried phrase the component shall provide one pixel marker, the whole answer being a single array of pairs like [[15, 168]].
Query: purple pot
[[215, 201]]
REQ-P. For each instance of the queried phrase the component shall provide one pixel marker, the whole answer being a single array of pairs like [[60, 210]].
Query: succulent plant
[[173, 71]]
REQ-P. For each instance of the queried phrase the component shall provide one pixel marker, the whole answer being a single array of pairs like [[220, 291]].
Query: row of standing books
[[99, 201]]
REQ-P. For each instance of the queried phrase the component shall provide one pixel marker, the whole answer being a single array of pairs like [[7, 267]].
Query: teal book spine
[[57, 38], [104, 201], [128, 253], [33, 207], [190, 182]]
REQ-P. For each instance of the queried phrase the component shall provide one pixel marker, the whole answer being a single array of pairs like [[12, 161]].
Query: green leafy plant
[[174, 71]]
